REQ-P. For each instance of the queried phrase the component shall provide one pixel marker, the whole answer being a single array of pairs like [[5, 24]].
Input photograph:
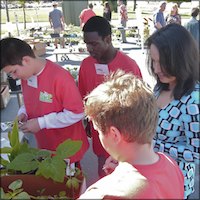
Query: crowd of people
[[147, 140]]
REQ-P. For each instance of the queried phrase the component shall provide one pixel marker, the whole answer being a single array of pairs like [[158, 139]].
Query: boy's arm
[[60, 120], [52, 120]]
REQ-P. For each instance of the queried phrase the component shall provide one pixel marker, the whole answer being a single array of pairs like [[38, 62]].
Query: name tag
[[102, 69], [32, 81]]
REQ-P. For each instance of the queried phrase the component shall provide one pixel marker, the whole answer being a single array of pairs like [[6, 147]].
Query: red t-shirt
[[161, 180], [89, 79], [56, 91], [165, 179], [85, 15]]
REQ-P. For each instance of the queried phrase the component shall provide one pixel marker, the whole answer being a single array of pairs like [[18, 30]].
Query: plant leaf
[[21, 148], [14, 135], [4, 162], [22, 195], [2, 192], [43, 154], [6, 150], [24, 162], [68, 148], [15, 185], [53, 168]]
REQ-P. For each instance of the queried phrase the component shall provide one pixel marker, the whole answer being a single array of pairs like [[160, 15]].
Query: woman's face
[[174, 10], [163, 76]]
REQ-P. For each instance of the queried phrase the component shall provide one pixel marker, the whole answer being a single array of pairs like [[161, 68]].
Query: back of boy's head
[[98, 24], [127, 103], [13, 50]]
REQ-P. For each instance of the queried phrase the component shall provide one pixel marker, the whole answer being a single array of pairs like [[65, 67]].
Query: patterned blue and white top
[[178, 134]]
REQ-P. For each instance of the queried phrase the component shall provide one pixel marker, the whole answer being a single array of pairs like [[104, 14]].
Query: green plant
[[15, 191], [23, 159]]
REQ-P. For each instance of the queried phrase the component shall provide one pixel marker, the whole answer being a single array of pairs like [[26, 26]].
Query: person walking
[[86, 14], [193, 25], [57, 22], [107, 13], [123, 18], [103, 59], [158, 17]]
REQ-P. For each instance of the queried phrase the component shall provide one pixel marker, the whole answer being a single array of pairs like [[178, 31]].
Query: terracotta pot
[[33, 185]]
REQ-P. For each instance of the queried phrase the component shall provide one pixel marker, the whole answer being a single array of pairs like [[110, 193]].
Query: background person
[[107, 13], [103, 60], [173, 16], [57, 22], [126, 128], [123, 18], [177, 92], [193, 25], [86, 14], [53, 108], [158, 17]]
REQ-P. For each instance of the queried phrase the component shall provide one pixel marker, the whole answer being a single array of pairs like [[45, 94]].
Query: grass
[[31, 14]]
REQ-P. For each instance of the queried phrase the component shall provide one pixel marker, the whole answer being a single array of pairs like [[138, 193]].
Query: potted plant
[[42, 172]]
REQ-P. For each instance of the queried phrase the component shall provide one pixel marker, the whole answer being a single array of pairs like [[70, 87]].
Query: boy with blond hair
[[124, 112]]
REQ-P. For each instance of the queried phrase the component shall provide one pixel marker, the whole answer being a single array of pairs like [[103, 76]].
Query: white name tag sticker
[[32, 81], [102, 69], [18, 82]]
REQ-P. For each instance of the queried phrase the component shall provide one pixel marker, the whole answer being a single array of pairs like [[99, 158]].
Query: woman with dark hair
[[173, 59]]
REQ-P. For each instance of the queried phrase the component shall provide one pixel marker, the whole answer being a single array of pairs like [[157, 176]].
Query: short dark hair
[[179, 57], [98, 24], [194, 12], [13, 50], [90, 5]]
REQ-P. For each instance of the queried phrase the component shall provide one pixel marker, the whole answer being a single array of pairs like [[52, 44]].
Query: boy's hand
[[22, 117], [31, 126], [110, 165]]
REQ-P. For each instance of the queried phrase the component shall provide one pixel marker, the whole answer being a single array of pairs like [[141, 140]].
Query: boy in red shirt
[[53, 108], [103, 60], [124, 112]]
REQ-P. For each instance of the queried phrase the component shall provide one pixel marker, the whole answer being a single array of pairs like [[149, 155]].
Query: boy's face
[[96, 45], [19, 71]]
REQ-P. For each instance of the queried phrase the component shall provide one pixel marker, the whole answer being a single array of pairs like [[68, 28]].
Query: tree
[[178, 1], [7, 15], [134, 7], [22, 2]]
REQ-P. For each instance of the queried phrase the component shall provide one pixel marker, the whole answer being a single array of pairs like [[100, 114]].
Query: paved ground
[[89, 162]]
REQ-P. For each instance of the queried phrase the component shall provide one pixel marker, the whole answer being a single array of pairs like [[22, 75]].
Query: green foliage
[[178, 1], [25, 159], [15, 191]]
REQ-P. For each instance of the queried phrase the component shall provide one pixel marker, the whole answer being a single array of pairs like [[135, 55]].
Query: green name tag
[[45, 97]]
